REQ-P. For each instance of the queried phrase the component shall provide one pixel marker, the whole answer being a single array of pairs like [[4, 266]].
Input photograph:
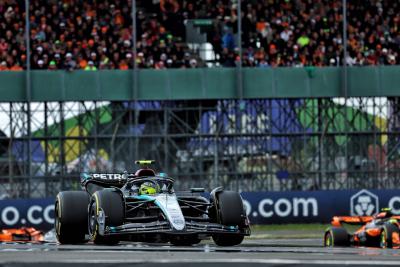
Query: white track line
[[228, 260]]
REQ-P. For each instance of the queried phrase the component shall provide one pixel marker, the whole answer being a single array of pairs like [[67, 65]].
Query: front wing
[[165, 228]]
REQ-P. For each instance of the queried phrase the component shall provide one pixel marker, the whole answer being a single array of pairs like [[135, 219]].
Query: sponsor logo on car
[[108, 176]]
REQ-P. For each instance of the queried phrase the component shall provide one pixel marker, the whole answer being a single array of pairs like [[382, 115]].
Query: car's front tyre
[[387, 234], [110, 203], [230, 212]]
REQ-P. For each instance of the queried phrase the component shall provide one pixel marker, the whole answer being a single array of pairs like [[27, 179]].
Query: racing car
[[143, 206], [23, 234], [380, 230]]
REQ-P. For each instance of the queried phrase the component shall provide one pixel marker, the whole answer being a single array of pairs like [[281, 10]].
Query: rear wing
[[353, 220]]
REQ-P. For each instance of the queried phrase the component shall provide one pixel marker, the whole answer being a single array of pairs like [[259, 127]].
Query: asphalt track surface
[[253, 252]]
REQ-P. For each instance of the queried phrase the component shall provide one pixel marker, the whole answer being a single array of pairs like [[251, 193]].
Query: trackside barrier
[[316, 206], [38, 213], [203, 83], [262, 207]]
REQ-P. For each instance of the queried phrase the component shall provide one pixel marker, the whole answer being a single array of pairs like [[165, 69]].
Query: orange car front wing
[[21, 234]]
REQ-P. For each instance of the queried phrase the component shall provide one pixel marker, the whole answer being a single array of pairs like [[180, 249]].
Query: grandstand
[[93, 35]]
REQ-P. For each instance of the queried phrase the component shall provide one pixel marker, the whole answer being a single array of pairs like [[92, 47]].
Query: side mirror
[[197, 190]]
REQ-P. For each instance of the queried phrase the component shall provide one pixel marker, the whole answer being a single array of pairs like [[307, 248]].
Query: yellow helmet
[[148, 188]]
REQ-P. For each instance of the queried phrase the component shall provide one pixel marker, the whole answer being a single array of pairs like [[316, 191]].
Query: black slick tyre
[[71, 217], [336, 237], [386, 238], [230, 212], [230, 208], [111, 203]]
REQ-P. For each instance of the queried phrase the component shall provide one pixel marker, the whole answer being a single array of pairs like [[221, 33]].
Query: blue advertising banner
[[261, 207], [38, 213], [316, 206]]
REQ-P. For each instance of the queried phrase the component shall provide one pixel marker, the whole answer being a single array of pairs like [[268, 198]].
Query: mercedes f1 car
[[144, 207], [380, 230]]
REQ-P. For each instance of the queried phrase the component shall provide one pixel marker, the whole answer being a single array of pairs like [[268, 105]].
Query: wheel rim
[[57, 223], [328, 240], [383, 242], [92, 220]]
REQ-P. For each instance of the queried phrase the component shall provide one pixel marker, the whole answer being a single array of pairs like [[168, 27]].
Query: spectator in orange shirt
[[123, 65], [82, 62], [16, 67], [3, 66]]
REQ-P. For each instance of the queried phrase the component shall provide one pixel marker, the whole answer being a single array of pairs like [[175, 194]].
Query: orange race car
[[21, 234], [380, 230]]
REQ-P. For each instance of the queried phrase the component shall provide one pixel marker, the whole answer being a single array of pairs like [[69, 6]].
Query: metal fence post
[[28, 95]]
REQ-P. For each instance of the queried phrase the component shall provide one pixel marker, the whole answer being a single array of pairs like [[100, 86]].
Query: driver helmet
[[388, 212], [148, 188]]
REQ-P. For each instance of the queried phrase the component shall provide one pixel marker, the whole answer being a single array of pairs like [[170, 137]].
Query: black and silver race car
[[144, 207]]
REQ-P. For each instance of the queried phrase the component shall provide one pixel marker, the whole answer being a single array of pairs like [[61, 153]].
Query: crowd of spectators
[[86, 35], [303, 32], [91, 35]]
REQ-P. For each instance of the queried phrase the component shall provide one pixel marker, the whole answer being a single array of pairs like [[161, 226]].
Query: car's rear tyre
[[230, 212], [336, 237], [184, 240], [71, 217], [386, 238], [112, 205]]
